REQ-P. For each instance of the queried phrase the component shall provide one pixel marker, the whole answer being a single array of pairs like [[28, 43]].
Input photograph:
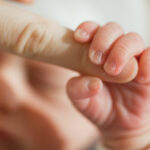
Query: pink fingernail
[[93, 85], [96, 56], [142, 78], [110, 68], [82, 34]]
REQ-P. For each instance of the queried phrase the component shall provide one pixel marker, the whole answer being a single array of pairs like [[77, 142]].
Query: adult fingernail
[[96, 56], [80, 33]]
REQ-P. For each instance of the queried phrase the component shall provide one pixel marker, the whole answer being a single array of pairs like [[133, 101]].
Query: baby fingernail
[[82, 34], [110, 68], [96, 56], [142, 78], [93, 85]]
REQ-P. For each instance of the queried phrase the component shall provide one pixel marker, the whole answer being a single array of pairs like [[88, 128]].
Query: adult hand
[[35, 113], [32, 36]]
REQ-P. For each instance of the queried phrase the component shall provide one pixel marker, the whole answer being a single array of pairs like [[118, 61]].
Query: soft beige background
[[131, 14]]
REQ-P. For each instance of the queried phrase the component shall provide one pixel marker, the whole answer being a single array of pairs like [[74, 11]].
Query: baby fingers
[[144, 67], [124, 49], [80, 88], [103, 40], [85, 32]]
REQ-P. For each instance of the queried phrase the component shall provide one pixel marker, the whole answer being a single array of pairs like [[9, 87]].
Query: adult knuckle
[[31, 40]]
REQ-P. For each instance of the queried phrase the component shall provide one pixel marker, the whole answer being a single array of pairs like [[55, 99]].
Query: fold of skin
[[129, 128], [35, 113]]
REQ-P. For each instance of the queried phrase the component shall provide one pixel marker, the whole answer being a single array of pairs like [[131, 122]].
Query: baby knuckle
[[115, 26], [123, 48], [133, 36]]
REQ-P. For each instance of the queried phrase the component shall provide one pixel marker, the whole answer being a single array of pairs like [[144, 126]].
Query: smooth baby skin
[[32, 36], [110, 47], [121, 111]]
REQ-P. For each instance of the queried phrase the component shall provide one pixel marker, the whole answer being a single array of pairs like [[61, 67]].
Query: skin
[[35, 112], [34, 37], [121, 111], [37, 91], [117, 116]]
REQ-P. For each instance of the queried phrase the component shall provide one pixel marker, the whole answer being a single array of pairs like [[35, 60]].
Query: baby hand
[[121, 111], [110, 46]]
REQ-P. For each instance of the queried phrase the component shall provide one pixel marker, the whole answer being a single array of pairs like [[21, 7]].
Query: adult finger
[[35, 37]]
